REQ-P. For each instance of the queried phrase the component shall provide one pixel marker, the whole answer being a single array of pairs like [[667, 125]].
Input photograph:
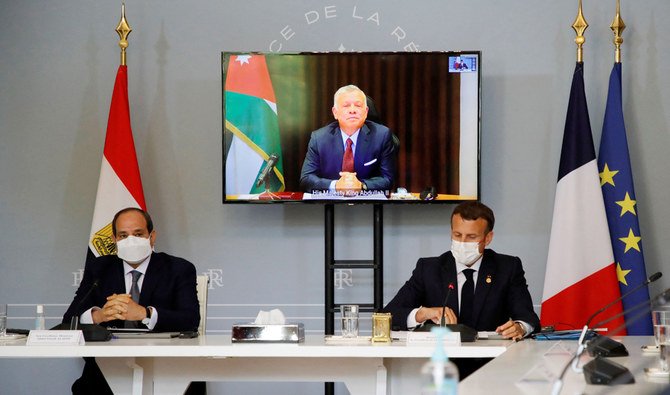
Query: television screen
[[413, 118]]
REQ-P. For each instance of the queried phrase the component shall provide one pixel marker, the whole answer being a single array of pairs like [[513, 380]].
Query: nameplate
[[55, 338], [449, 339]]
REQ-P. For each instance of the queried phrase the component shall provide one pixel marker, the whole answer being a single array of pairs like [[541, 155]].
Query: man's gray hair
[[348, 89]]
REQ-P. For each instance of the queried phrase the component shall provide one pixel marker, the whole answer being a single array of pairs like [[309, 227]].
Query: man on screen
[[137, 288], [488, 290], [349, 155]]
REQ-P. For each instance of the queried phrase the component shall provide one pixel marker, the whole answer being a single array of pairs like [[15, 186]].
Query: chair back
[[202, 287]]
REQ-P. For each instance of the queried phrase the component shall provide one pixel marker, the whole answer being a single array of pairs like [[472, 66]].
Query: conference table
[[166, 366], [531, 367]]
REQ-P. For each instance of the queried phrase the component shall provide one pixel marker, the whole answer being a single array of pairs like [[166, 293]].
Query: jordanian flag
[[251, 117], [119, 185]]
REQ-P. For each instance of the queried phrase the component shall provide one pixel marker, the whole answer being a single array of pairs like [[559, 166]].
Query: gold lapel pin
[[488, 279]]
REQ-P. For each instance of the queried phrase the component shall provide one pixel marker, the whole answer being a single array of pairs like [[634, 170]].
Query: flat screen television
[[430, 102]]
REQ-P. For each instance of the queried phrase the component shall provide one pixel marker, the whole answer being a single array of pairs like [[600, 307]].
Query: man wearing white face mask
[[136, 288], [488, 290]]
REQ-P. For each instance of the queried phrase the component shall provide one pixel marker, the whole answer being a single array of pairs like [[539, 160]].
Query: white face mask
[[465, 253], [133, 249]]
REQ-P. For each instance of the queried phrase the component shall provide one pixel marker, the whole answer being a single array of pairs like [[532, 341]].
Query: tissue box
[[269, 333]]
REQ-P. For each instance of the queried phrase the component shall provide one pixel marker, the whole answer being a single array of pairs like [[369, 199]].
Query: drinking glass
[[349, 313], [659, 317], [3, 319], [662, 334]]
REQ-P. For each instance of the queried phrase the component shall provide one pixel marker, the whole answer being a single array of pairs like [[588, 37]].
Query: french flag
[[581, 273], [120, 184]]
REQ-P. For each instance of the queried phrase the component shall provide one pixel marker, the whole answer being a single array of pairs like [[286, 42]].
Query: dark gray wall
[[57, 66]]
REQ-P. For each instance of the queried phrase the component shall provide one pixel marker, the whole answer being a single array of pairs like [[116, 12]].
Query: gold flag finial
[[580, 25], [617, 27], [123, 29]]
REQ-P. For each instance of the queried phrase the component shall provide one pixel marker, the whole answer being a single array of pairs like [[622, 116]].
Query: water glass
[[662, 334], [349, 313], [3, 319], [659, 317]]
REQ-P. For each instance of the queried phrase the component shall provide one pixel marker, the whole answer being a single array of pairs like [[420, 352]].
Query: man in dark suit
[[488, 290], [135, 288], [351, 154]]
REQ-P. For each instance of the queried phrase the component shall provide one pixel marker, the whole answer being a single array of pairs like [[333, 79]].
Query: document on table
[[490, 335]]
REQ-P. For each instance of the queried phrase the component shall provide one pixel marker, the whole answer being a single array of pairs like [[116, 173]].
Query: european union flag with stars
[[616, 181]]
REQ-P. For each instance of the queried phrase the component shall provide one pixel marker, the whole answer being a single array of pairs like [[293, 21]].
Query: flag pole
[[617, 27], [123, 29], [580, 25]]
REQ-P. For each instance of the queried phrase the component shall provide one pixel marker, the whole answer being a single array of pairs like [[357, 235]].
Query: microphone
[[92, 332], [607, 346], [649, 280], [658, 300], [603, 371], [271, 163], [467, 334], [654, 277], [95, 284], [585, 330], [600, 370], [444, 304], [610, 347]]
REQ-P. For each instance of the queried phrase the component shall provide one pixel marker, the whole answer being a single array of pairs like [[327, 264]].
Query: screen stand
[[376, 264]]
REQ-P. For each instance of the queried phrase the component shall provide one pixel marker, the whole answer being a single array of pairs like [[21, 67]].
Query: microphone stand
[[574, 361], [582, 337], [444, 304], [646, 305], [268, 195], [265, 178]]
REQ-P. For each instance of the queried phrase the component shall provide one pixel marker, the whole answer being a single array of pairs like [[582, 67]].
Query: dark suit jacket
[[505, 296], [373, 158], [169, 286]]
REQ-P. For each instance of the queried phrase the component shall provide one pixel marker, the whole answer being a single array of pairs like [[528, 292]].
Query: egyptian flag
[[580, 275], [250, 113], [616, 181], [119, 185]]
